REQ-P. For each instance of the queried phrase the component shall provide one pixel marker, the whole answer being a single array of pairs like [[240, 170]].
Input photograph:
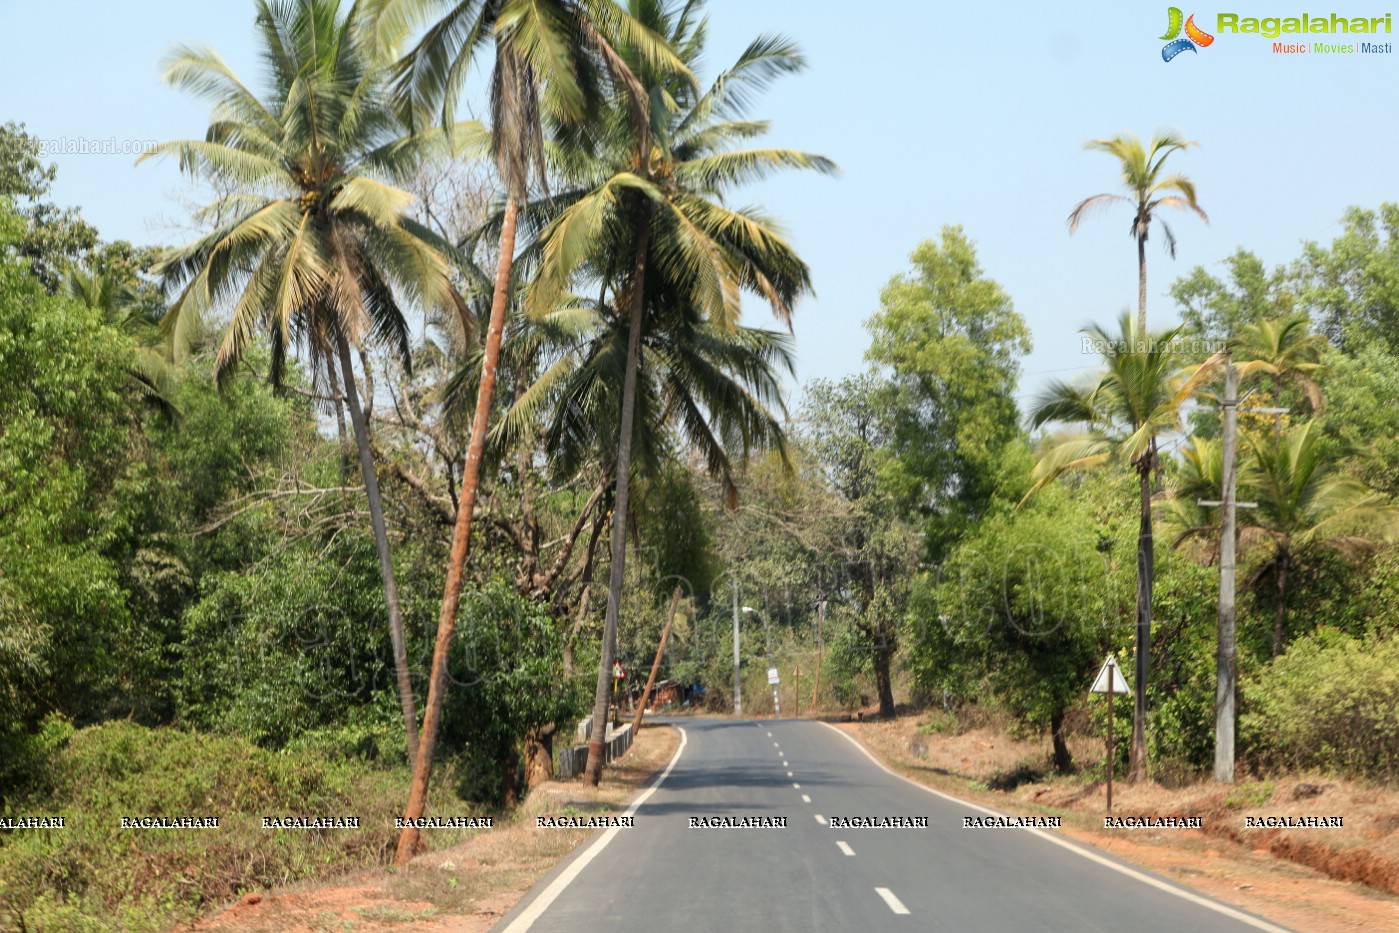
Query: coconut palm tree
[[1135, 400], [312, 246], [700, 387], [551, 61], [1199, 475], [1150, 189], [1284, 350], [650, 226], [1306, 501], [149, 372]]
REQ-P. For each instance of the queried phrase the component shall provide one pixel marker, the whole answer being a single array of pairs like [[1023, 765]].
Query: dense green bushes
[[287, 649], [505, 667], [93, 875], [1328, 704]]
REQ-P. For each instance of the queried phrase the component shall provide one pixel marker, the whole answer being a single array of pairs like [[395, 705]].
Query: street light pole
[[738, 692]]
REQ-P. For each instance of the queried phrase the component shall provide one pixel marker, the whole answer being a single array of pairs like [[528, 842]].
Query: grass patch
[[1249, 794], [95, 876], [388, 914], [939, 723]]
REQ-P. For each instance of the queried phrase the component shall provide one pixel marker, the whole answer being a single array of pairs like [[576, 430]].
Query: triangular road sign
[[1119, 682]]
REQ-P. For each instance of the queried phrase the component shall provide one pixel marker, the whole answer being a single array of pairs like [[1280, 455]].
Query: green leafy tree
[[54, 237], [1214, 310], [953, 341], [1350, 289], [508, 684], [66, 634], [1361, 386], [148, 368], [1024, 596], [23, 173], [847, 427]]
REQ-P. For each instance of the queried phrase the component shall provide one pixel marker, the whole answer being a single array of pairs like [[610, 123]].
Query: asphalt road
[[662, 876]]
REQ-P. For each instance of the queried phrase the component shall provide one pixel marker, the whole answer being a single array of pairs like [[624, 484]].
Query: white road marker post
[[1110, 681]]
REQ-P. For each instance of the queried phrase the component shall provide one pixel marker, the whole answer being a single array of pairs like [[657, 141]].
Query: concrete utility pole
[[1226, 655], [738, 692], [820, 649], [1226, 658]]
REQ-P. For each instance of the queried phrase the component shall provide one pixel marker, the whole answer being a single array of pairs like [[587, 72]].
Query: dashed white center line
[[784, 762], [776, 744], [795, 784], [821, 819], [789, 774], [845, 847], [896, 905], [769, 735], [806, 799]]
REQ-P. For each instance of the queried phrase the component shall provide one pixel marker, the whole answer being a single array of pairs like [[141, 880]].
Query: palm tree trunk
[[381, 543], [1280, 618], [339, 403], [466, 504], [1141, 285], [1146, 566], [603, 697]]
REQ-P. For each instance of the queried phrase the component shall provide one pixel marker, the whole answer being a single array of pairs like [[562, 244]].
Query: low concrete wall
[[574, 759]]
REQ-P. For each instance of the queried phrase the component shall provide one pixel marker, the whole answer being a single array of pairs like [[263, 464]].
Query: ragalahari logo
[[1193, 35]]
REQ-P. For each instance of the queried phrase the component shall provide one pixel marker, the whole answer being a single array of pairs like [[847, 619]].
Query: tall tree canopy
[[953, 340]]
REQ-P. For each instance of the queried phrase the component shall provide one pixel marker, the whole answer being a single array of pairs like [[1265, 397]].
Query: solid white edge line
[[547, 897], [896, 905], [845, 847], [1255, 922]]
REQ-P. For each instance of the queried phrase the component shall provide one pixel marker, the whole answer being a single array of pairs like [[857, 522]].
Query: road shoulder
[[1221, 868], [467, 888]]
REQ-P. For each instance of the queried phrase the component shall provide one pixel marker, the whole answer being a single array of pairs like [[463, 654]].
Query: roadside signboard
[[1111, 682]]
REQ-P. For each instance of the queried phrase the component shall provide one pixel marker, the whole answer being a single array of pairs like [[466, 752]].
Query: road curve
[[660, 874]]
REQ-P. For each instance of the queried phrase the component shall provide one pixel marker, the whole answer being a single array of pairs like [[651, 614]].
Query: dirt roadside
[[462, 889], [1272, 873]]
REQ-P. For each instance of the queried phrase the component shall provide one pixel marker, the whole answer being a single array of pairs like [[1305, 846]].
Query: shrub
[[95, 876], [1327, 704]]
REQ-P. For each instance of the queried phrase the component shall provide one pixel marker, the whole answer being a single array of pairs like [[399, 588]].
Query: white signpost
[[772, 676], [1111, 682], [773, 679]]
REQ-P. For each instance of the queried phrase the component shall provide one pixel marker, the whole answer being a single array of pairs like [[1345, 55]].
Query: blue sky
[[937, 113]]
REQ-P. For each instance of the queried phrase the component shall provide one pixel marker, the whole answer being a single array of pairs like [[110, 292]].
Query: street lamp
[[767, 638]]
